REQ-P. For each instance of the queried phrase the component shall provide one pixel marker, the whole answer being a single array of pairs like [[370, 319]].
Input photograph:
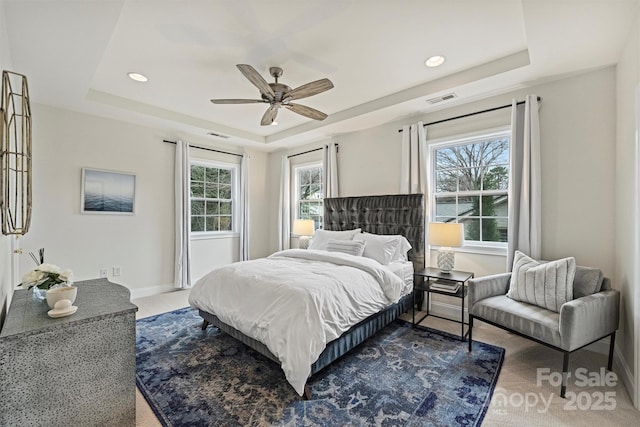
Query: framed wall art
[[107, 192]]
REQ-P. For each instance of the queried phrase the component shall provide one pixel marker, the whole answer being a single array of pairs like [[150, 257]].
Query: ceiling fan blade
[[254, 77], [303, 110], [309, 89], [269, 115], [237, 101]]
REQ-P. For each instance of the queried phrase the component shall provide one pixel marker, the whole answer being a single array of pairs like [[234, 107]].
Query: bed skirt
[[334, 349]]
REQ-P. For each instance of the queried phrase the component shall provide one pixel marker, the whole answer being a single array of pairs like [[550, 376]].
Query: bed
[[381, 215]]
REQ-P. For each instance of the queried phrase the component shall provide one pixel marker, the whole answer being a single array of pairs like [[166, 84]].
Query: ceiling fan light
[[434, 61], [137, 77], [279, 95]]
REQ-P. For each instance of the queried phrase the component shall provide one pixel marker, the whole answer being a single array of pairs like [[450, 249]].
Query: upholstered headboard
[[393, 214]]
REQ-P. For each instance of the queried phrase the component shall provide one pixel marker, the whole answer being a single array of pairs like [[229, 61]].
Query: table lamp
[[303, 228], [447, 236]]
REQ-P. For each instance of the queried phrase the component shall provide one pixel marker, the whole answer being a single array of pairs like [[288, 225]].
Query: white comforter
[[296, 301]]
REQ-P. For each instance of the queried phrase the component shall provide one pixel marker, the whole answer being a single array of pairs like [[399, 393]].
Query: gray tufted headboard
[[393, 214]]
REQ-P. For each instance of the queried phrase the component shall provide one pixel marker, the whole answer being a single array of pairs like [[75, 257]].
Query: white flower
[[66, 276], [49, 268], [47, 276], [32, 278]]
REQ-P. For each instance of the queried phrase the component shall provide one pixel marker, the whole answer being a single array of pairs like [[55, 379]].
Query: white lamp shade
[[446, 234], [303, 227]]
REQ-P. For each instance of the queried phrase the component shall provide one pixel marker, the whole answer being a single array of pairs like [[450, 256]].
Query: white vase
[[57, 294]]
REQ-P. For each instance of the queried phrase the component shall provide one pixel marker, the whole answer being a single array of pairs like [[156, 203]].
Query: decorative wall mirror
[[15, 154]]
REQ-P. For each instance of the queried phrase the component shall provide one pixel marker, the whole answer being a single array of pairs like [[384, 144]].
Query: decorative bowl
[[56, 294]]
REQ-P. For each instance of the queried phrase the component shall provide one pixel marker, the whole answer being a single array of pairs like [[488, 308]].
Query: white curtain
[[413, 171], [524, 231], [182, 265], [413, 174], [284, 214], [244, 208], [330, 171]]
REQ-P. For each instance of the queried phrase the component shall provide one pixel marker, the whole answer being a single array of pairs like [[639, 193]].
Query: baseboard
[[625, 373], [450, 311], [151, 290]]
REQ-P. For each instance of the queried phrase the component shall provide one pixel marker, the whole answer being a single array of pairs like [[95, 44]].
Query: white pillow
[[351, 247], [321, 237], [402, 247], [545, 284], [380, 248]]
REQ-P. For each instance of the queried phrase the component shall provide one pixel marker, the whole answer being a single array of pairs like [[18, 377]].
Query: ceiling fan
[[279, 95]]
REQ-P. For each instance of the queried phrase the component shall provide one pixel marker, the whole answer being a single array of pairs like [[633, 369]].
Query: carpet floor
[[402, 376]]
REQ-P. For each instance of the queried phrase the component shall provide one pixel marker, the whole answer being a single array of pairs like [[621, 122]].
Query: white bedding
[[296, 301], [404, 270]]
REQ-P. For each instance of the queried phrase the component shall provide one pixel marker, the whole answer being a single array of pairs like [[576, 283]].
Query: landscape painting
[[107, 192]]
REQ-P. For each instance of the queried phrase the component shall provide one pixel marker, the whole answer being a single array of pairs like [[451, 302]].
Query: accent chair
[[591, 314]]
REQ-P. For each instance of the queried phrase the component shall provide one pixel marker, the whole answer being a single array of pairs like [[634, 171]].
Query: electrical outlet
[[116, 271], [104, 272]]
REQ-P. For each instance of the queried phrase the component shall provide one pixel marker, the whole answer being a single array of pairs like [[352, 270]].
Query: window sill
[[483, 250], [479, 250], [209, 236]]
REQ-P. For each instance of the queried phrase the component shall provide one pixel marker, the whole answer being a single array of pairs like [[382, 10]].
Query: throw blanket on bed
[[296, 301]]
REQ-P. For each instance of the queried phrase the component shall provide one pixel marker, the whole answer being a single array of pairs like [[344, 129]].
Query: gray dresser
[[70, 371]]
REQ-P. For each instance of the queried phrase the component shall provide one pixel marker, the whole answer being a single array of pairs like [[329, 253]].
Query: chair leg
[[470, 331], [565, 373], [205, 323], [612, 341]]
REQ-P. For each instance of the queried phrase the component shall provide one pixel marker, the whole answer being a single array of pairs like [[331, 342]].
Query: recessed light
[[137, 77], [434, 61]]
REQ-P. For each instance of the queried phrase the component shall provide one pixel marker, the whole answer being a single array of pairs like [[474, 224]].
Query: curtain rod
[[311, 151], [206, 148], [472, 114]]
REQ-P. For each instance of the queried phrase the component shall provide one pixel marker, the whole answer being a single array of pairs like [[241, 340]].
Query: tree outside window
[[211, 198], [471, 186], [309, 193]]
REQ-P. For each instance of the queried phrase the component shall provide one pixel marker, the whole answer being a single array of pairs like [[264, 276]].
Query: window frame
[[235, 197], [295, 195], [470, 246]]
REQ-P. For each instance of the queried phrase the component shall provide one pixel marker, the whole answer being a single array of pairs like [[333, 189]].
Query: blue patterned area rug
[[402, 376]]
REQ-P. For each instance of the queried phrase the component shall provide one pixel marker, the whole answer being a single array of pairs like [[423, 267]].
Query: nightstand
[[424, 280]]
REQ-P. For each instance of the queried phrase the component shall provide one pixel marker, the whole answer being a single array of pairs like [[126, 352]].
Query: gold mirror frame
[[15, 154]]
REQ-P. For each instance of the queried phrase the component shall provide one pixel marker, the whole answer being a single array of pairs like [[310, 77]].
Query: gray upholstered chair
[[592, 315]]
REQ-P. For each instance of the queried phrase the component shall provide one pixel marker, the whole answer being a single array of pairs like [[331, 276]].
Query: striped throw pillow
[[545, 284], [351, 247]]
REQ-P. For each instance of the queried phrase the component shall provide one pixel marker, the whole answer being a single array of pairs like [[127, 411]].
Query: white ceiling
[[77, 54]]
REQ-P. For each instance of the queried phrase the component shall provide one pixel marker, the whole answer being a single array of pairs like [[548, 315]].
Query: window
[[308, 193], [471, 182], [213, 195]]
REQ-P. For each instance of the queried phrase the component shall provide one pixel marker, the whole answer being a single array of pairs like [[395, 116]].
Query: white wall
[[142, 245], [626, 203], [578, 140]]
